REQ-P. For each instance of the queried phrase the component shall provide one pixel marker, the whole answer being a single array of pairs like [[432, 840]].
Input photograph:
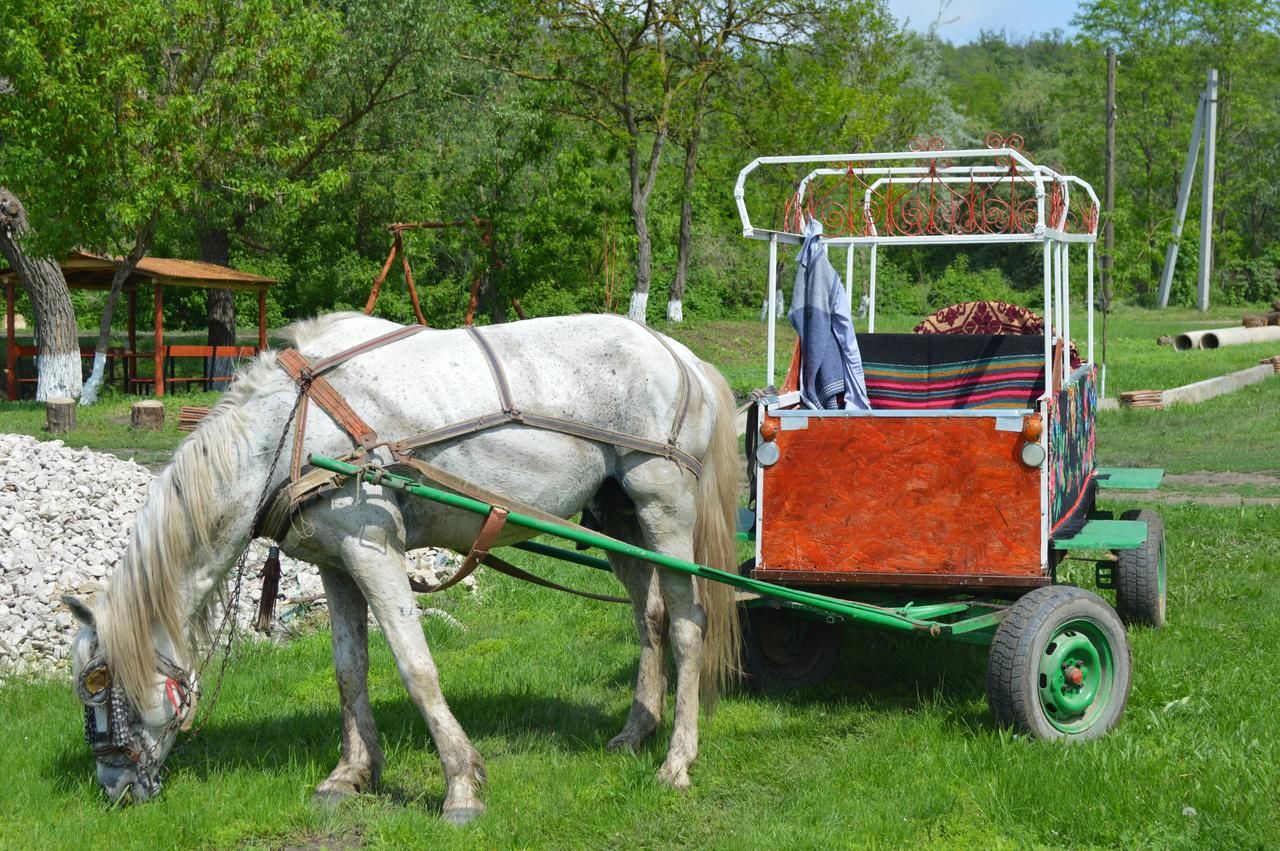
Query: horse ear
[[79, 608]]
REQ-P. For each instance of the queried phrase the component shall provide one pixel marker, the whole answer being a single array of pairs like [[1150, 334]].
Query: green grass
[[898, 749], [105, 425]]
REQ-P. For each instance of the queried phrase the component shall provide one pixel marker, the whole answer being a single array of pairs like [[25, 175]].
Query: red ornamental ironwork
[[935, 203]]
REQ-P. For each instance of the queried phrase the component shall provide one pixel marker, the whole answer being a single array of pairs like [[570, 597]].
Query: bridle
[[119, 734]]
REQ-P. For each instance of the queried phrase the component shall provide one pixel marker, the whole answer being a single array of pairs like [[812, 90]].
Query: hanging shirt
[[831, 364]]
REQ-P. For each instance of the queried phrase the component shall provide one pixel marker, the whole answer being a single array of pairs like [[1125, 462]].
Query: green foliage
[[1252, 281], [124, 111], [959, 284]]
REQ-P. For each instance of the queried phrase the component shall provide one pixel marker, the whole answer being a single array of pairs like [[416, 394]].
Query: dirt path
[[1210, 488]]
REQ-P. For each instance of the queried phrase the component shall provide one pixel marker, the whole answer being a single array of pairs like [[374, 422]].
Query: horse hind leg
[[361, 763], [650, 611], [379, 570], [665, 508]]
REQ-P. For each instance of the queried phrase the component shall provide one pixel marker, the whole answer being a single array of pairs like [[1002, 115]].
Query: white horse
[[134, 660]]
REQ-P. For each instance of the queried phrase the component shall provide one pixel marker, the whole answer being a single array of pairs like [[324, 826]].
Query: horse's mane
[[184, 510]]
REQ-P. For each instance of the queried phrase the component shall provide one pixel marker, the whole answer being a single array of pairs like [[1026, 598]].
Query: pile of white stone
[[65, 517]]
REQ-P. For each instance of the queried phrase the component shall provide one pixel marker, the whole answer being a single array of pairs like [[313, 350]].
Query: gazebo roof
[[93, 272]]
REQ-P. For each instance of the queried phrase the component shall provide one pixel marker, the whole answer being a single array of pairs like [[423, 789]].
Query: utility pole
[[1204, 127], [1206, 203], [1109, 190]]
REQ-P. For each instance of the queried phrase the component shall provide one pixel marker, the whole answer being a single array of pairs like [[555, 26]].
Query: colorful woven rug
[[986, 317]]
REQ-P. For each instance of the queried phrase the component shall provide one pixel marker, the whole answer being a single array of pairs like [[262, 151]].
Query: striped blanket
[[948, 371]]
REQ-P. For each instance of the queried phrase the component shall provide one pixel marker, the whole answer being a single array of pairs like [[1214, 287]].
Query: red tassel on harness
[[270, 575]]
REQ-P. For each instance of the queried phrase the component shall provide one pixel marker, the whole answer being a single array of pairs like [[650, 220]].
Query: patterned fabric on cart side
[[1071, 453], [941, 371]]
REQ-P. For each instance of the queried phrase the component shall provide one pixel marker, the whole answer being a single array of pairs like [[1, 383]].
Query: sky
[[962, 20]]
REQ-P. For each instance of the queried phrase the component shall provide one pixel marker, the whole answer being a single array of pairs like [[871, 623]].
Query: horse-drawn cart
[[947, 508]]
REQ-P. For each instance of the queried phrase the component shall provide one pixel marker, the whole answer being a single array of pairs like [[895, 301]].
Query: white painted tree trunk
[[675, 310], [639, 307], [89, 395], [58, 376]]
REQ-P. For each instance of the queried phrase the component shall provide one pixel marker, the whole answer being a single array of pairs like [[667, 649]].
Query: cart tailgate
[[912, 495]]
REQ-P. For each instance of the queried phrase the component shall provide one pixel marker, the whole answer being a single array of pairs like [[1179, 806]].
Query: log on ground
[[148, 415], [60, 415]]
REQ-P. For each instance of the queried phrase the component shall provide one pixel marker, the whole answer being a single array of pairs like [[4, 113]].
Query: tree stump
[[148, 415], [60, 415]]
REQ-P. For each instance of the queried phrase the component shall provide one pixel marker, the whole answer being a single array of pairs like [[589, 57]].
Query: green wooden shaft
[[844, 608]]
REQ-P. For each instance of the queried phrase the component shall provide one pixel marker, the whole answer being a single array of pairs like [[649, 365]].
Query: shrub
[[959, 284]]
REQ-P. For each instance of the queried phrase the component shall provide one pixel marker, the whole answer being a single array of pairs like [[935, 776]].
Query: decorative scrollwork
[[916, 201]]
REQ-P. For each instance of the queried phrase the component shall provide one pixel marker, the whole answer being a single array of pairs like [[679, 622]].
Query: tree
[[845, 50], [58, 364], [125, 108], [613, 69]]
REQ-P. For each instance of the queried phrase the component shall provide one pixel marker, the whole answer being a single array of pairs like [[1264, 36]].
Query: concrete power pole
[[1206, 203]]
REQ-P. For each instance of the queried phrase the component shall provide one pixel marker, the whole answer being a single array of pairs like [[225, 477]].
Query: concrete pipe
[[1239, 336], [1189, 340]]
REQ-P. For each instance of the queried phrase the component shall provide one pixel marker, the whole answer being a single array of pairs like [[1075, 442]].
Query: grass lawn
[[897, 749]]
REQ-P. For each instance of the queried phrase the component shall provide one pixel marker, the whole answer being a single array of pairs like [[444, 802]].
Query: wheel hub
[[1072, 671]]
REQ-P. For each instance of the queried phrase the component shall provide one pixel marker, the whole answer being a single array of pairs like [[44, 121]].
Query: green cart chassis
[[972, 621]]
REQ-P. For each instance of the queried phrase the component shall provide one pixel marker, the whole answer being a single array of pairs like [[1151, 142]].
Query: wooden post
[[131, 356], [11, 344], [60, 415], [262, 319], [1109, 190], [147, 414], [159, 332]]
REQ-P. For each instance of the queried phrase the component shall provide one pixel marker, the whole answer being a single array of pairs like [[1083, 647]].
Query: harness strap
[[495, 369], [516, 573], [318, 388], [682, 405], [330, 363], [489, 532]]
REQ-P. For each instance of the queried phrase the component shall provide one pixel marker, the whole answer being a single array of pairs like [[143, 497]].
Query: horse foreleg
[[688, 626], [362, 760], [641, 583], [385, 583]]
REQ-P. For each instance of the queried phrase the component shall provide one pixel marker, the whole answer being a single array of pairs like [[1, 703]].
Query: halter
[[121, 734]]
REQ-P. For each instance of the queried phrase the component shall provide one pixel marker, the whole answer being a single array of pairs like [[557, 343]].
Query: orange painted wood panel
[[920, 495]]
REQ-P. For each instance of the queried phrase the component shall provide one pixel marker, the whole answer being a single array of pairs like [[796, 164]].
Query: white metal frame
[[907, 168]]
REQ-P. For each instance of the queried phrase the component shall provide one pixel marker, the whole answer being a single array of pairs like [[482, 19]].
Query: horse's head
[[130, 738]]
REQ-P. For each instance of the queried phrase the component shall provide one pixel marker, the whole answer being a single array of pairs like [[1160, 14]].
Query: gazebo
[[94, 272]]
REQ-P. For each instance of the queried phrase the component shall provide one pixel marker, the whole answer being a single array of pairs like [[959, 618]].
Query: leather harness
[[303, 487]]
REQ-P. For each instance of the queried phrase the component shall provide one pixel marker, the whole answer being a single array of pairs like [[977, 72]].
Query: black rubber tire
[[782, 651], [1023, 638], [1140, 597]]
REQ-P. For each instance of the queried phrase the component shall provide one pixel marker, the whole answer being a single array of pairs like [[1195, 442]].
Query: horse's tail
[[715, 545]]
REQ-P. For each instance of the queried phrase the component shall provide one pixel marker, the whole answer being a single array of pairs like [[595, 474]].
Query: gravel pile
[[65, 517]]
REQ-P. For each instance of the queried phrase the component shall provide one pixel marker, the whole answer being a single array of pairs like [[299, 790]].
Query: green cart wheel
[[1140, 574], [783, 650], [1059, 666]]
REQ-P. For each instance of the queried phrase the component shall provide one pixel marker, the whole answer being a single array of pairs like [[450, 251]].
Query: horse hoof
[[330, 795], [624, 742], [678, 780], [459, 816]]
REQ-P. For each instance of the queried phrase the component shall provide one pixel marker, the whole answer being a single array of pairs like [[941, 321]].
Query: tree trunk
[[124, 268], [215, 247], [675, 299], [641, 191], [58, 363]]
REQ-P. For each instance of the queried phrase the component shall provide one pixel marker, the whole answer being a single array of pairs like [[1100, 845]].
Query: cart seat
[[950, 371]]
